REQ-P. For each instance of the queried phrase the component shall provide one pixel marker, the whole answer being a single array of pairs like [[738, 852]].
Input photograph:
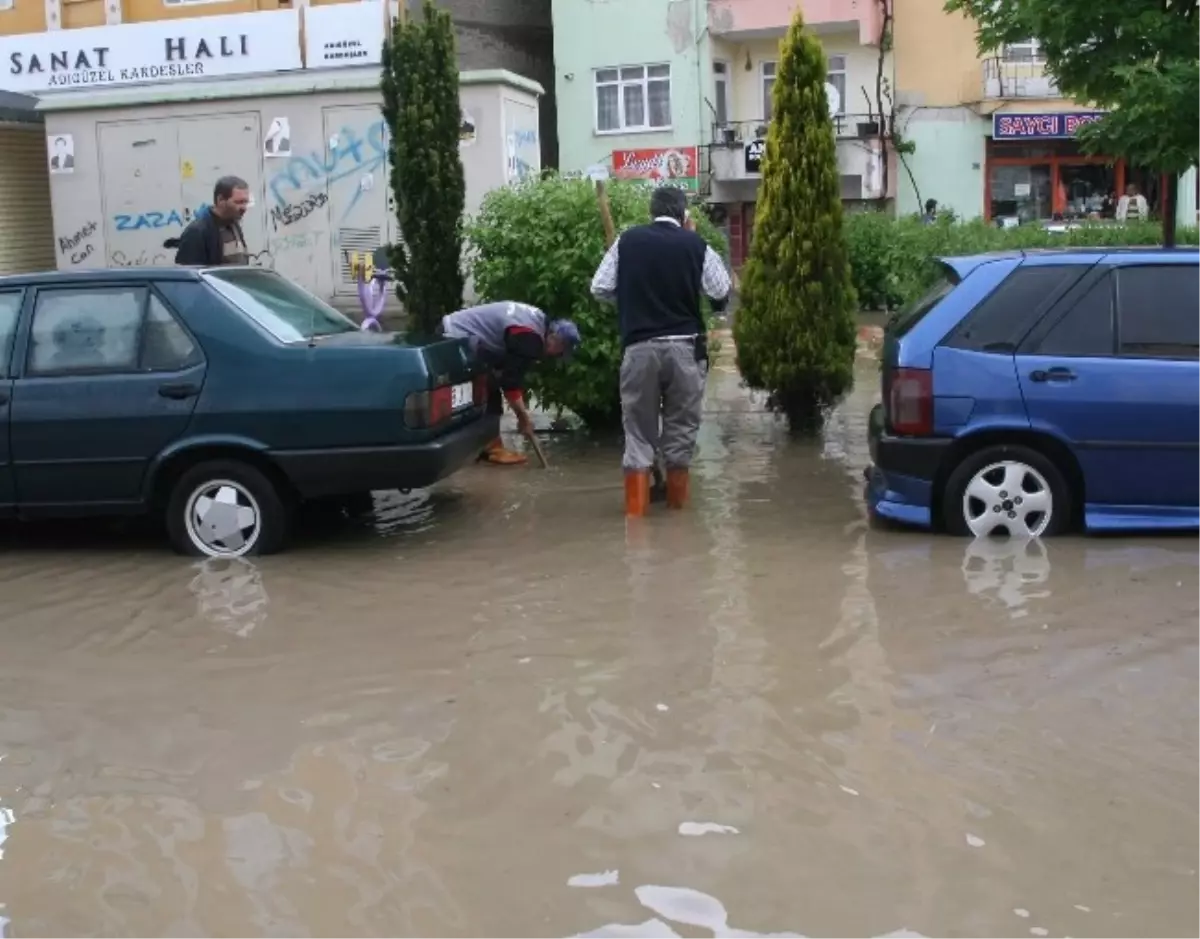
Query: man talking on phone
[[655, 274]]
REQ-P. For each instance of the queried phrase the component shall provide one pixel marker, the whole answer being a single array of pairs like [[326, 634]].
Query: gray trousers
[[661, 377]]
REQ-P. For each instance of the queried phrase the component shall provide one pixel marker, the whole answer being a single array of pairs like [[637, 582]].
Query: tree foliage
[[423, 116], [795, 329], [1136, 58], [540, 242]]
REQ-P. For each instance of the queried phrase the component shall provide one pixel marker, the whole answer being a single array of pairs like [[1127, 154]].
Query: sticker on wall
[[61, 151], [467, 134], [367, 183], [186, 170], [334, 142], [278, 142]]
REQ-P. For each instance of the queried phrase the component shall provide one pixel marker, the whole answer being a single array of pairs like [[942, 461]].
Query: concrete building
[[141, 117], [680, 89], [994, 137]]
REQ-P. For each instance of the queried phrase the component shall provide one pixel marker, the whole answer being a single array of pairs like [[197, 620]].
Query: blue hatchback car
[[220, 401], [1031, 393]]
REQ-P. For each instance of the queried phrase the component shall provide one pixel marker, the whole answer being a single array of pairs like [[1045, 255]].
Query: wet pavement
[[496, 710]]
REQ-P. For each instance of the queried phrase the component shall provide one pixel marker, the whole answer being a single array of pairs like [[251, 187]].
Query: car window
[[1087, 328], [10, 312], [166, 346], [1003, 319], [288, 312], [86, 330], [1159, 311], [903, 321]]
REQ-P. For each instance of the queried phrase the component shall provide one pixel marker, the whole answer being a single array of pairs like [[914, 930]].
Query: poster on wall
[[278, 140], [467, 129], [61, 151], [659, 167], [522, 145]]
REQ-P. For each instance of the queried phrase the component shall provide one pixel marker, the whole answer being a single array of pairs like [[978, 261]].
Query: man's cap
[[568, 332]]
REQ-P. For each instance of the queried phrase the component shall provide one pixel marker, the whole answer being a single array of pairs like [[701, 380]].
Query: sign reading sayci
[[141, 53], [677, 166], [1041, 126]]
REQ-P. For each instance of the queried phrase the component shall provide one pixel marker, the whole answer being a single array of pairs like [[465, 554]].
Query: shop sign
[[755, 151], [1041, 126], [165, 52], [676, 166], [343, 34]]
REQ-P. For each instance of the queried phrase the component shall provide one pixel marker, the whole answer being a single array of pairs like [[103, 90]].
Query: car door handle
[[1052, 374], [179, 391]]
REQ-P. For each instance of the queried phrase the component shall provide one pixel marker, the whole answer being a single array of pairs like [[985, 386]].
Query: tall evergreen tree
[[795, 328], [423, 116]]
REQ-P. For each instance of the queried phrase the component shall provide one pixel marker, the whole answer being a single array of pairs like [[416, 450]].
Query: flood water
[[498, 710]]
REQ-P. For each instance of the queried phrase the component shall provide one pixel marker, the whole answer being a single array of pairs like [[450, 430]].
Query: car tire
[[227, 509], [1002, 487]]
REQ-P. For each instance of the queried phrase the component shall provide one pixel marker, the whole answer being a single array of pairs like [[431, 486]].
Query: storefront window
[[1020, 194], [1089, 191]]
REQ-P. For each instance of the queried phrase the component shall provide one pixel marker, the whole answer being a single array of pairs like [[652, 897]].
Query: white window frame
[[723, 91], [772, 67], [830, 71], [765, 66], [621, 85], [1028, 51]]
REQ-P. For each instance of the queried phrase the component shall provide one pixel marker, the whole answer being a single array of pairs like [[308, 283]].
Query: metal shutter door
[[26, 223]]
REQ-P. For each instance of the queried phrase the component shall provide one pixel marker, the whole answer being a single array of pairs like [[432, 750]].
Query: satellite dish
[[833, 96]]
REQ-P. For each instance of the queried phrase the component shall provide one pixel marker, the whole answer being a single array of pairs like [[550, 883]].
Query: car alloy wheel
[[1010, 497], [223, 519]]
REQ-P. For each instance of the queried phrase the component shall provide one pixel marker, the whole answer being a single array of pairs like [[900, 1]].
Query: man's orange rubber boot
[[494, 452], [677, 488], [637, 493]]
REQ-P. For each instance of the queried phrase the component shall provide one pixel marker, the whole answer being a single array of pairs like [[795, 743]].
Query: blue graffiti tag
[[352, 156], [163, 218]]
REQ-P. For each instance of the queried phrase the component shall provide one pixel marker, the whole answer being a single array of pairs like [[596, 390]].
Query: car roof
[[102, 275], [964, 264]]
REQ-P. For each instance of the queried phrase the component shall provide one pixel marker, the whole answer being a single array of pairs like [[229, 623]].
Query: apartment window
[[1030, 50], [835, 75], [720, 91], [636, 97]]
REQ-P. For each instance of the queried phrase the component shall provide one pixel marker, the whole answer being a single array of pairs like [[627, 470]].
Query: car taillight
[[428, 408], [479, 395], [910, 403]]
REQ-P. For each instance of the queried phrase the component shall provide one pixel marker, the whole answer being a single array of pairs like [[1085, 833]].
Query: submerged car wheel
[[1006, 490], [226, 509]]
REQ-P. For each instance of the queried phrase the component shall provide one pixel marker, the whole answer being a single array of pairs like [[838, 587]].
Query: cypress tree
[[422, 112], [795, 328]]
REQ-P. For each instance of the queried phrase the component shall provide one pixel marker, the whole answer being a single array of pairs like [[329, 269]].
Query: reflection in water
[[455, 716], [1008, 569], [230, 594]]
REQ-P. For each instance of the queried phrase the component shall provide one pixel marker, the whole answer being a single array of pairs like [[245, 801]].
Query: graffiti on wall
[[356, 156], [78, 246], [524, 155], [157, 219], [292, 212]]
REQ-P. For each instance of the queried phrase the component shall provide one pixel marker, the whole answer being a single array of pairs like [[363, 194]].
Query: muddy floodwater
[[495, 709]]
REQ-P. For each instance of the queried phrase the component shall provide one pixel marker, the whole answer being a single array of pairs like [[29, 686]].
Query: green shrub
[[894, 260], [540, 242], [419, 84], [795, 328]]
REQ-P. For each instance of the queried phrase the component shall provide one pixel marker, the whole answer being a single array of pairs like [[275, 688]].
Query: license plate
[[462, 396]]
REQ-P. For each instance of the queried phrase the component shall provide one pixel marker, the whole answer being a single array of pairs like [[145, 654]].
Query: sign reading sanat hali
[[150, 52]]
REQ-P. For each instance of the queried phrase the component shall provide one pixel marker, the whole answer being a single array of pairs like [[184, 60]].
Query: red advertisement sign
[[672, 166]]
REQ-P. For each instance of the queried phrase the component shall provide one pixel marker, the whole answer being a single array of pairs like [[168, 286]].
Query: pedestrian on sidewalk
[[655, 274], [214, 237], [510, 338]]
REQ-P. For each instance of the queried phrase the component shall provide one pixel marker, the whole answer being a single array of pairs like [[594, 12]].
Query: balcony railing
[[1017, 78], [845, 127]]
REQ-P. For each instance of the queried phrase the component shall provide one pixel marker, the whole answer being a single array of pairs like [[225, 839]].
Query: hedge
[[892, 261]]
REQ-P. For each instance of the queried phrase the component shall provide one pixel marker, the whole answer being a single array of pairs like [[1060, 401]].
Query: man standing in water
[[655, 273], [214, 237], [510, 338]]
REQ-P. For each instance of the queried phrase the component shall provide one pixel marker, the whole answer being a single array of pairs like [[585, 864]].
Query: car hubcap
[[223, 519], [1008, 497]]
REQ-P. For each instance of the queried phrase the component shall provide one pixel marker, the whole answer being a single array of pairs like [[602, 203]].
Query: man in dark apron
[[510, 338]]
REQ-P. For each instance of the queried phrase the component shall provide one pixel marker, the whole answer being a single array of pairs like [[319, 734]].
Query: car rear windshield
[[287, 312], [907, 317]]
